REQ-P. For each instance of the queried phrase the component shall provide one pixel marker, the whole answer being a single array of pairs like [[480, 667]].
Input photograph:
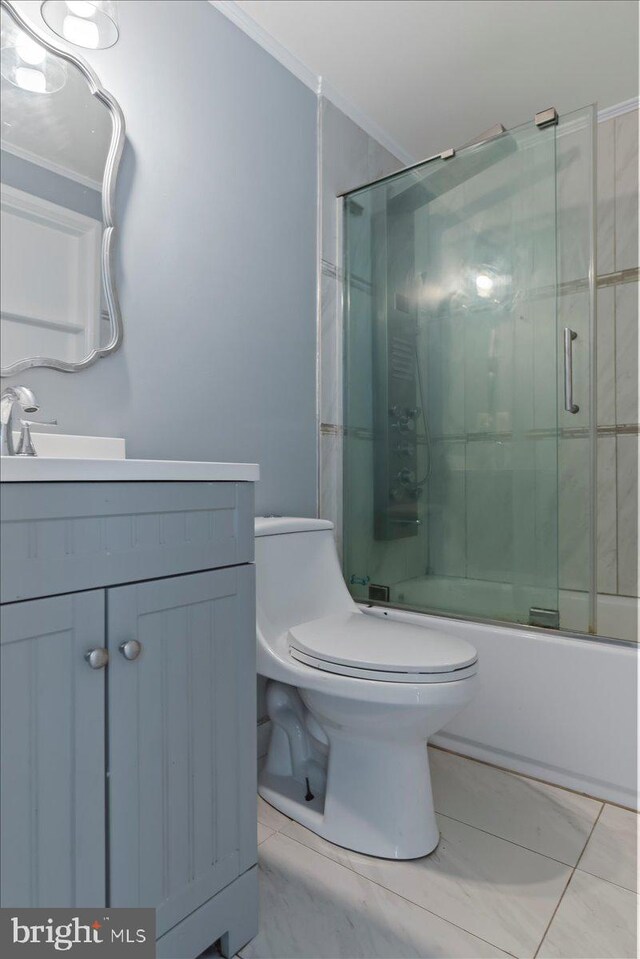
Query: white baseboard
[[595, 789]]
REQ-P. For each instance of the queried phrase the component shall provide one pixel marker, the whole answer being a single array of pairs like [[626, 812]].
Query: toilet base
[[355, 769], [378, 798]]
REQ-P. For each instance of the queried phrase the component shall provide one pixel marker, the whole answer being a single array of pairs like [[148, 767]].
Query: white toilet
[[352, 699]]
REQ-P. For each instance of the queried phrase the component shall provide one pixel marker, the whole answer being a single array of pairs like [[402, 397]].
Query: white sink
[[27, 469], [66, 446], [75, 459]]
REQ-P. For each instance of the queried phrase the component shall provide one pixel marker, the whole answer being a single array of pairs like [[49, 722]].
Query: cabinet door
[[52, 753], [182, 728]]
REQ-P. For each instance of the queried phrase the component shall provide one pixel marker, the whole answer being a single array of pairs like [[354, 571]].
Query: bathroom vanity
[[128, 611], [128, 693]]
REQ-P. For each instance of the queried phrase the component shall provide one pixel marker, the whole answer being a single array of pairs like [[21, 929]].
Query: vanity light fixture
[[26, 64], [92, 24]]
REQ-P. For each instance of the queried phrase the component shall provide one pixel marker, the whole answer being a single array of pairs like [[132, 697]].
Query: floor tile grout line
[[469, 825], [577, 865], [394, 893], [573, 872], [486, 832], [610, 882], [586, 872], [553, 914], [274, 828], [512, 842]]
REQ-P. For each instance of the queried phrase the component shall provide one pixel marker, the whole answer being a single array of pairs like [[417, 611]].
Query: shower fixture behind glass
[[468, 324]]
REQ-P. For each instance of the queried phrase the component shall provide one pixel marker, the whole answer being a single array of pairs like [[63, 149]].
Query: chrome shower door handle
[[569, 336]]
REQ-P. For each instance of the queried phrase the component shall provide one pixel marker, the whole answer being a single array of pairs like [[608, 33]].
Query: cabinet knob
[[97, 658], [130, 649]]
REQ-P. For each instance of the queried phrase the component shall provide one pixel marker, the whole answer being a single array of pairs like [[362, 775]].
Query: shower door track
[[445, 155], [545, 118], [497, 130], [501, 623]]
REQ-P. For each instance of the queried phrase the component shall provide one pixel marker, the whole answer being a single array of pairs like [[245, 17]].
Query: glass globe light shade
[[26, 64], [92, 24]]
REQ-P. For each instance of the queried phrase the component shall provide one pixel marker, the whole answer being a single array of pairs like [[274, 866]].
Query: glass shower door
[[451, 403]]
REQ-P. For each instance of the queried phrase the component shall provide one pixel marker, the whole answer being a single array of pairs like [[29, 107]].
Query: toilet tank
[[298, 575]]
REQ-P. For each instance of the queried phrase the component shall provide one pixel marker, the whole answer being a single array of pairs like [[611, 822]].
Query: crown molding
[[51, 166], [618, 109], [312, 80], [364, 121], [268, 42]]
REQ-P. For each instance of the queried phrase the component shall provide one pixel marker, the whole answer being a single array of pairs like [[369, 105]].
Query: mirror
[[62, 137]]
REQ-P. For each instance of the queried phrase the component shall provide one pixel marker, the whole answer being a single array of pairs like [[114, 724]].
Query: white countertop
[[45, 469]]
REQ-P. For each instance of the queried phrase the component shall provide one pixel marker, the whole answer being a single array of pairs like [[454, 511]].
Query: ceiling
[[436, 73]]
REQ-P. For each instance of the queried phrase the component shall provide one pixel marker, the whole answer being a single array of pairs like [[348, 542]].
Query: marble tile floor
[[522, 869]]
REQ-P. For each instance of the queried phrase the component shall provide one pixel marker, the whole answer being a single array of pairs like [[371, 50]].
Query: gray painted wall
[[216, 260]]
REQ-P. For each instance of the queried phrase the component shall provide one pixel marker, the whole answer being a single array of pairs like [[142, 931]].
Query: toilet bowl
[[352, 699]]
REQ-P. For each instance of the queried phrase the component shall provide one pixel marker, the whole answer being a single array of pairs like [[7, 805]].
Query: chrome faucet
[[13, 397]]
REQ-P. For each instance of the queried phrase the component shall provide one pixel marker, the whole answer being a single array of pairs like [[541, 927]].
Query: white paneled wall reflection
[[349, 158]]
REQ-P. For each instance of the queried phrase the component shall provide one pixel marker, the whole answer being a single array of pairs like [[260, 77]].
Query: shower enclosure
[[469, 406]]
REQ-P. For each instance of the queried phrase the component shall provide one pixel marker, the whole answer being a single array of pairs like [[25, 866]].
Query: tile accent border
[[633, 429], [626, 106], [622, 276]]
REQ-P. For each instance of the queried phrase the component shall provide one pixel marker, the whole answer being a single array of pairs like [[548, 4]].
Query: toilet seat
[[356, 644]]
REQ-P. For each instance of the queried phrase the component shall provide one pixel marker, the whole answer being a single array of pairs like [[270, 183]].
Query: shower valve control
[[404, 425], [404, 412], [407, 477], [403, 449], [404, 418]]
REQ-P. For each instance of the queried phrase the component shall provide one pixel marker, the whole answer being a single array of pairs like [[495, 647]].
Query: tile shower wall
[[617, 351], [346, 153], [348, 157]]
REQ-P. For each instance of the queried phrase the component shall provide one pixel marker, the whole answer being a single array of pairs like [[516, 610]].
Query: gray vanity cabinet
[[131, 780], [182, 810], [52, 797]]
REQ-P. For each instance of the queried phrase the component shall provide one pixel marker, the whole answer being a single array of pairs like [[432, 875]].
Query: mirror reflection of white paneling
[[62, 138], [50, 261]]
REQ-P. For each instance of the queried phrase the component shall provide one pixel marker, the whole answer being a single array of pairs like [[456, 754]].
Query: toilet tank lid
[[274, 525]]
